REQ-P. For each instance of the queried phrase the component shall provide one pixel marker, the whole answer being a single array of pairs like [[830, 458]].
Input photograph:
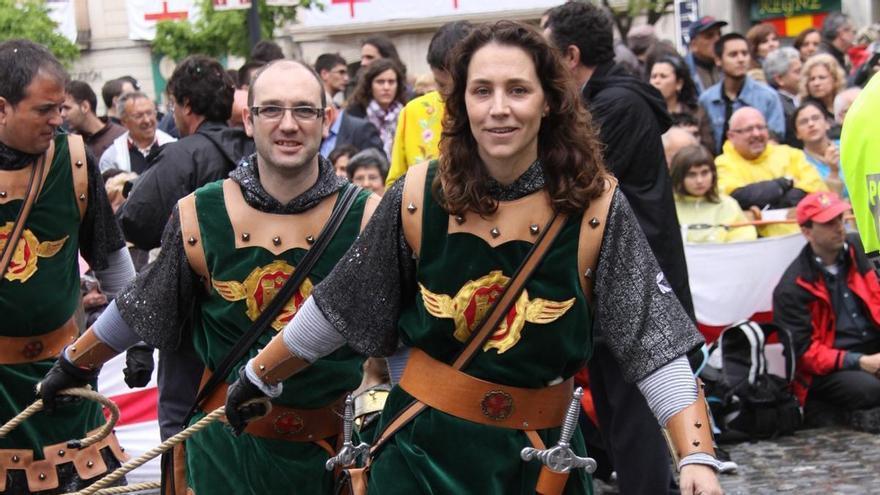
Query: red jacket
[[802, 305]]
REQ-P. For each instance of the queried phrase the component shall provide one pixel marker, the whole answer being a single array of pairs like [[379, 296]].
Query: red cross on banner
[[166, 15], [349, 2]]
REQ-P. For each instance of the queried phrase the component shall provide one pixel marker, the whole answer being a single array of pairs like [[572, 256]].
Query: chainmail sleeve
[[362, 297], [159, 303], [638, 315]]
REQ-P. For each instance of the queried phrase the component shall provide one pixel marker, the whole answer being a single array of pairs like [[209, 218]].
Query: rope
[[97, 487], [117, 490], [85, 393]]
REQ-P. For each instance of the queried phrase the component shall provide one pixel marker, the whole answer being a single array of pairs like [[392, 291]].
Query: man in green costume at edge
[[40, 284], [226, 251], [860, 161]]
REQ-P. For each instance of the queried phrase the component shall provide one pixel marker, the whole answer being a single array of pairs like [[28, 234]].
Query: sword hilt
[[571, 417], [349, 453], [561, 458]]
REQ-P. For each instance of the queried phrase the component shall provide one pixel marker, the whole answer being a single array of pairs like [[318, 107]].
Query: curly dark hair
[[687, 96], [203, 84], [585, 26], [568, 146], [688, 158], [363, 92]]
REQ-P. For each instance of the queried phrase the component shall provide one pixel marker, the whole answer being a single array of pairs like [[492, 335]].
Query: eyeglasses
[[149, 114], [273, 112], [806, 120], [750, 129]]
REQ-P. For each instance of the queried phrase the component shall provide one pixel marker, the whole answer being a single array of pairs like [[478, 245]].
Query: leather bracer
[[275, 363], [89, 352], [689, 430]]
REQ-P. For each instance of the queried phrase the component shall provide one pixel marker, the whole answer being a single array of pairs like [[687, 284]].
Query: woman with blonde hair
[[821, 79]]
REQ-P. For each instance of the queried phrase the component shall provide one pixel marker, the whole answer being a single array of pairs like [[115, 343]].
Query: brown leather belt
[[285, 423], [41, 475], [19, 350], [446, 389]]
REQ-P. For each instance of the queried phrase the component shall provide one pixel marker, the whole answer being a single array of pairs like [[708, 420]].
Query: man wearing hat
[[702, 36], [829, 300]]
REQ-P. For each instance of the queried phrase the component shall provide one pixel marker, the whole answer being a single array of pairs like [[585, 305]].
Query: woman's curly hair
[[568, 146]]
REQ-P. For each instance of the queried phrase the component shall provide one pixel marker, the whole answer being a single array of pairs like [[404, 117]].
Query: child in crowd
[[701, 208], [340, 157]]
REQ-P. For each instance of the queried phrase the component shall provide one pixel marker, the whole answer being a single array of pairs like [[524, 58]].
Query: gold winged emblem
[[23, 264], [260, 287], [472, 301]]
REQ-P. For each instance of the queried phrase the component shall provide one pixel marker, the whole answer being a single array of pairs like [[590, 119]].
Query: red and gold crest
[[260, 287], [475, 298], [23, 264]]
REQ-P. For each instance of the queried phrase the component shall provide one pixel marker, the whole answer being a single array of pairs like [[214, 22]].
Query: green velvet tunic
[[218, 462], [39, 293], [438, 453]]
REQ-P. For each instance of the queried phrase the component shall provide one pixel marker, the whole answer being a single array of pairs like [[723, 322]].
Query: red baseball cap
[[821, 207]]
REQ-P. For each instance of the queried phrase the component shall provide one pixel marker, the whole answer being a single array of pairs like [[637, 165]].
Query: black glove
[[62, 375], [240, 392], [138, 366]]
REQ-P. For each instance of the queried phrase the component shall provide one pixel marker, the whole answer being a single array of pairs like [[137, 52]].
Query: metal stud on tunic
[[411, 207], [276, 240], [192, 241], [2, 194], [310, 239], [82, 197], [459, 219], [79, 163], [495, 232], [594, 222], [245, 237], [534, 229]]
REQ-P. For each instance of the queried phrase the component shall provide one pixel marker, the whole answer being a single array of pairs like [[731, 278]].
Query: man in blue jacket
[[737, 90]]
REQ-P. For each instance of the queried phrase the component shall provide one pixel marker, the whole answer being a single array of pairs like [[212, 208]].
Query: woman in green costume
[[517, 148]]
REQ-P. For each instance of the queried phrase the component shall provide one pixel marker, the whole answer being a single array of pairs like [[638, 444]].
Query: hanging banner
[[347, 12], [231, 4], [138, 426], [143, 15], [62, 14], [735, 281]]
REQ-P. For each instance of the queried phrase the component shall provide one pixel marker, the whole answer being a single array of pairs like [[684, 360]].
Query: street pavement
[[827, 461]]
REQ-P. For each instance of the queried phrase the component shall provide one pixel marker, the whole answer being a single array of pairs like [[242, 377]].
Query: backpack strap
[[192, 238], [80, 172], [591, 234], [412, 205]]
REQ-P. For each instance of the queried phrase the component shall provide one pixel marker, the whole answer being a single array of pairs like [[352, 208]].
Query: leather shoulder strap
[[370, 208], [500, 308], [412, 206], [192, 238], [40, 170], [590, 238], [80, 172]]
